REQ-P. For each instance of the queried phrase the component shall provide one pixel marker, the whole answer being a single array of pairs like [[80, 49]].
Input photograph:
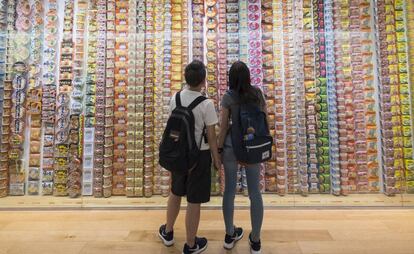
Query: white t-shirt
[[204, 114]]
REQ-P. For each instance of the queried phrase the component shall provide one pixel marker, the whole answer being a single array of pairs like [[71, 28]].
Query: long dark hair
[[239, 82]]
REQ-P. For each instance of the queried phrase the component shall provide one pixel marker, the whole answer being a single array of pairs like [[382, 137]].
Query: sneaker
[[166, 238], [199, 246], [230, 241], [255, 247]]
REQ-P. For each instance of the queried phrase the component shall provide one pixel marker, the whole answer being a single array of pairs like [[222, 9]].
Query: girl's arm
[[224, 126]]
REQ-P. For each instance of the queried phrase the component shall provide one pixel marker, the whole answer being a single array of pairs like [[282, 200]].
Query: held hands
[[217, 163]]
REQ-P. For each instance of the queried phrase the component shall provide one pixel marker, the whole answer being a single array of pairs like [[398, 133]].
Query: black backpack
[[250, 134], [178, 150]]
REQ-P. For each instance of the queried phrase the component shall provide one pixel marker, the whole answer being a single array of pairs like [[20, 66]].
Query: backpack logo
[[265, 155], [175, 135]]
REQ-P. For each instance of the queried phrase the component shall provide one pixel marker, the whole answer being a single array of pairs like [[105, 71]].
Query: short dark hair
[[195, 73]]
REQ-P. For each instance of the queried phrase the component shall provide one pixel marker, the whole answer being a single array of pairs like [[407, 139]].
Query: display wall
[[85, 88]]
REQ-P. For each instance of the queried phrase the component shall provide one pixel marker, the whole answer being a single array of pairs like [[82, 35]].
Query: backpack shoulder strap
[[196, 102], [178, 100]]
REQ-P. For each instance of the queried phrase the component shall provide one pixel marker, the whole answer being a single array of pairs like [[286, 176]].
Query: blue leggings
[[255, 196]]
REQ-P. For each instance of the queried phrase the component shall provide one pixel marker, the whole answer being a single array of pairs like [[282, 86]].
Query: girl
[[241, 91]]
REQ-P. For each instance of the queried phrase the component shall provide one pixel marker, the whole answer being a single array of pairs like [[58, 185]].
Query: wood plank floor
[[284, 232]]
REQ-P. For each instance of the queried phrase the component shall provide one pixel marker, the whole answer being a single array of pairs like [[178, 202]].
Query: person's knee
[[193, 205], [230, 192], [255, 194], [173, 196], [230, 187]]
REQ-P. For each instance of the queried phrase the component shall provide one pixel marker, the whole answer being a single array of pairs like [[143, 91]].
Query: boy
[[197, 183]]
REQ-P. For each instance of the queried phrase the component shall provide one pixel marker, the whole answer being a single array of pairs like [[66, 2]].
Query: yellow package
[[391, 36], [389, 9], [406, 120], [400, 26], [346, 59], [410, 184], [398, 141], [394, 67], [176, 26], [176, 60], [176, 6], [392, 48], [404, 89], [401, 37], [176, 17], [408, 153], [176, 41], [389, 19], [406, 131], [401, 46], [403, 66], [176, 51], [398, 174], [396, 120], [310, 96], [395, 110], [398, 152], [405, 109], [409, 164], [399, 4], [409, 175], [344, 12], [347, 71], [211, 78], [176, 77], [399, 15], [402, 57], [176, 86], [404, 78], [397, 130], [407, 142], [345, 23], [405, 99], [393, 79], [395, 100], [307, 21]]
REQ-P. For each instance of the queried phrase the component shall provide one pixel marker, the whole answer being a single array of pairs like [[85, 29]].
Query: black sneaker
[[166, 238], [230, 241], [200, 245], [255, 247]]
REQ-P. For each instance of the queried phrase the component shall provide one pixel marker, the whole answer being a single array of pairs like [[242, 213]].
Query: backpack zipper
[[258, 146]]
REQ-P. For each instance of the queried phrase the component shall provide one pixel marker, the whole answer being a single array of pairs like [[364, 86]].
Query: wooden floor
[[284, 231]]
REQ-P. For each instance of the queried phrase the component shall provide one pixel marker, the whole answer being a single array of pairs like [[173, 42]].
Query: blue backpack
[[250, 134]]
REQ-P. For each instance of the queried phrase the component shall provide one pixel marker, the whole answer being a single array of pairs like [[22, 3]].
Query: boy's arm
[[210, 120], [212, 141]]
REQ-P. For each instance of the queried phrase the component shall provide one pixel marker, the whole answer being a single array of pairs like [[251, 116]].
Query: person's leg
[[230, 178], [173, 209], [256, 201], [192, 220], [198, 192]]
